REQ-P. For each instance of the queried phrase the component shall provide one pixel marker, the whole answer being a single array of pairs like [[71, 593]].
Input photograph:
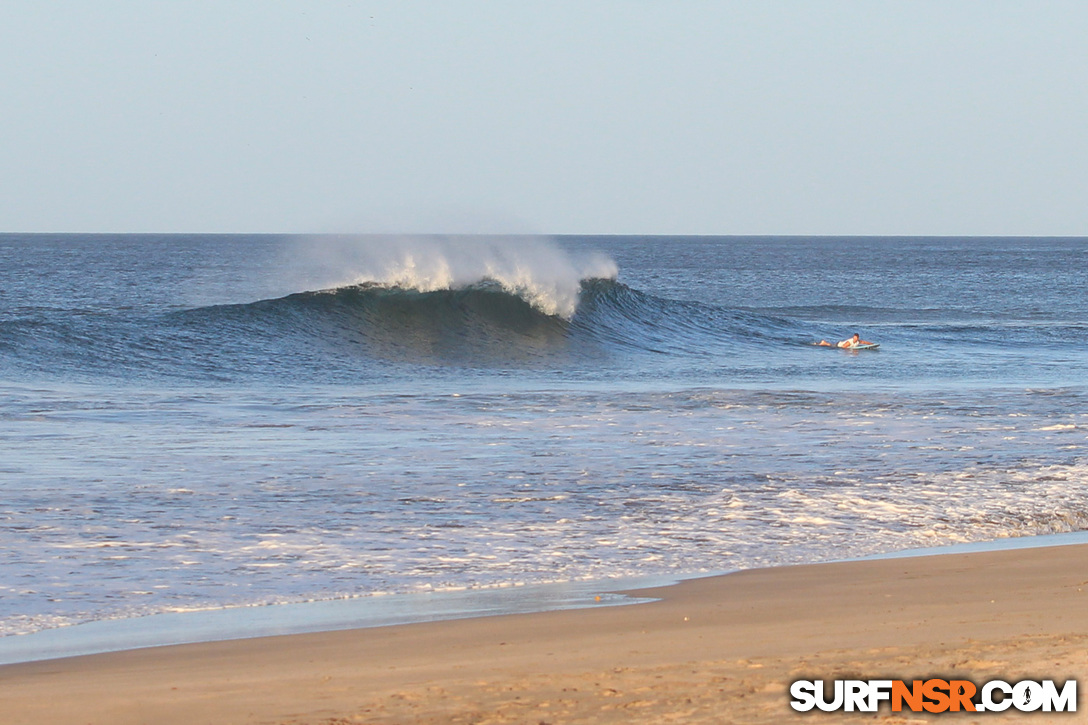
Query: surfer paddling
[[848, 343]]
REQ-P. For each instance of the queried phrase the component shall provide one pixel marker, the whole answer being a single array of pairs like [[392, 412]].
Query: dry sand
[[716, 650]]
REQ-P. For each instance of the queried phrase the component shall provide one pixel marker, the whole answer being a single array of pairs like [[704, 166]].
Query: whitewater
[[200, 422]]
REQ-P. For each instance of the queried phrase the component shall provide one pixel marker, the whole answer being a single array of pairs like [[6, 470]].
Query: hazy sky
[[670, 117]]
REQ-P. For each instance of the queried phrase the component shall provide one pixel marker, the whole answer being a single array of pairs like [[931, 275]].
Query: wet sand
[[716, 650]]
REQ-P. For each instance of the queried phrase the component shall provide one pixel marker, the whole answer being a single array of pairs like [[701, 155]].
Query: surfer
[[853, 341]]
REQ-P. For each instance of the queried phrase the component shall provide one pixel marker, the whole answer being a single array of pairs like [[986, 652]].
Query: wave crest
[[536, 269]]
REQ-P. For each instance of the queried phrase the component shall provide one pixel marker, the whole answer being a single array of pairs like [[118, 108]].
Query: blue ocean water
[[194, 422]]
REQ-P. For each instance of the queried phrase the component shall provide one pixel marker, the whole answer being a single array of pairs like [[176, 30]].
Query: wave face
[[479, 324], [482, 325]]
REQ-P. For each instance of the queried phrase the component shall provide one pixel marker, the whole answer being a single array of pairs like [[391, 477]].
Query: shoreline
[[368, 611], [710, 649]]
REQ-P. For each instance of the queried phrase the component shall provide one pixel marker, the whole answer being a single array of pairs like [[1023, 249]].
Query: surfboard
[[870, 346]]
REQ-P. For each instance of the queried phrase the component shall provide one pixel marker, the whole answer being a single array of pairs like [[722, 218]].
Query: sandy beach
[[714, 650]]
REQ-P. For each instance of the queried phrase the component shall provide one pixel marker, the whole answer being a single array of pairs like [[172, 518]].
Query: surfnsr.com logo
[[934, 695]]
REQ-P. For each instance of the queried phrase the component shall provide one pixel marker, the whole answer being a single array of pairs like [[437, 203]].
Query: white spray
[[535, 268]]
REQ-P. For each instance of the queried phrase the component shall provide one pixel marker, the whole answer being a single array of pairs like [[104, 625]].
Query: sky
[[550, 117]]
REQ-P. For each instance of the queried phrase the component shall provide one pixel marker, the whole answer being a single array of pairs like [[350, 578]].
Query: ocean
[[198, 422]]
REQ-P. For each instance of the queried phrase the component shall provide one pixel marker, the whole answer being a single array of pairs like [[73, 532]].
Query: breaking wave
[[535, 269], [342, 332]]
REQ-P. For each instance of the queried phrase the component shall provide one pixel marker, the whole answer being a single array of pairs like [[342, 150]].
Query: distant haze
[[613, 117]]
